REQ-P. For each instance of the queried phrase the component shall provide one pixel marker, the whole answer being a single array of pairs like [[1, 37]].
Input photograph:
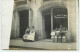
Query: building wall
[[72, 19], [36, 18]]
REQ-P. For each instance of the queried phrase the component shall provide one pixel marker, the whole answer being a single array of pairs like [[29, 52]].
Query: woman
[[27, 32], [31, 36]]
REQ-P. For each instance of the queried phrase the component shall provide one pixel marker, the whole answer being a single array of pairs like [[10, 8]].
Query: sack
[[64, 39], [59, 39]]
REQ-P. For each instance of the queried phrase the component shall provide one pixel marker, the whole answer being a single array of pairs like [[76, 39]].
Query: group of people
[[29, 34], [58, 32]]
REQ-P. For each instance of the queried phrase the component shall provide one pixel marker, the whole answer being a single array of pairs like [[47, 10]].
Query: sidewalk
[[43, 44]]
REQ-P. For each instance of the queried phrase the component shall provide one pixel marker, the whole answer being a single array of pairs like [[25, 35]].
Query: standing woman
[[32, 30]]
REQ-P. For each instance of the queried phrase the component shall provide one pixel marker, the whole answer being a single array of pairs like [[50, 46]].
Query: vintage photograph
[[44, 25]]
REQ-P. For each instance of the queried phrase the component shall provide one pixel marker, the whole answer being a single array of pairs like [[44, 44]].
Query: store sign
[[61, 16]]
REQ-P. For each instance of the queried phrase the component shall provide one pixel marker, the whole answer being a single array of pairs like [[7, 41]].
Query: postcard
[[44, 25]]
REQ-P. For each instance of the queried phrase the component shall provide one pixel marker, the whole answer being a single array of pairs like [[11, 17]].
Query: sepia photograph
[[44, 25]]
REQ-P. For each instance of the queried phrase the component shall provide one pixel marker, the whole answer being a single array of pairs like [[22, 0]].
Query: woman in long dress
[[29, 35], [27, 32]]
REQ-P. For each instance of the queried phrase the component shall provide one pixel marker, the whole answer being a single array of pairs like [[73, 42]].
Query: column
[[51, 19], [30, 18], [16, 24]]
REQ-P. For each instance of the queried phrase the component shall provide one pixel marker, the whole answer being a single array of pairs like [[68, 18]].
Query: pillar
[[30, 18], [16, 16], [51, 19]]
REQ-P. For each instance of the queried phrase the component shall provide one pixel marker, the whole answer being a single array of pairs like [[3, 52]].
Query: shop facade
[[45, 16]]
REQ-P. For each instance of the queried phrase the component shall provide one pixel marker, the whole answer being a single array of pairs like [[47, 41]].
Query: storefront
[[45, 17]]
